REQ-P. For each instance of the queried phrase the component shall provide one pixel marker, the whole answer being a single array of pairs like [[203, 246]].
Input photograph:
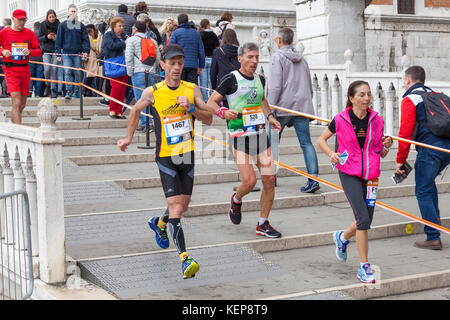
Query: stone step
[[119, 233], [206, 200], [277, 274], [32, 102], [96, 122]]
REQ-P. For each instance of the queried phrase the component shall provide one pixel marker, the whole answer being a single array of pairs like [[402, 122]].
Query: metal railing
[[16, 264]]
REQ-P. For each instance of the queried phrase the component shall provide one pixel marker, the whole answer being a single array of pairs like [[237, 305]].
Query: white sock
[[235, 199], [261, 221], [342, 237]]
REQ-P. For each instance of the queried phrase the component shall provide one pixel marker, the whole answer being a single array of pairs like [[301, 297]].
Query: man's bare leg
[[266, 169], [18, 104]]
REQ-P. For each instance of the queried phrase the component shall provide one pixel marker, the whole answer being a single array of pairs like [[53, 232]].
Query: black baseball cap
[[173, 50]]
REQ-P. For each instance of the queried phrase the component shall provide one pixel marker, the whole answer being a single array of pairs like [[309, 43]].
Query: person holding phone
[[359, 135], [47, 38]]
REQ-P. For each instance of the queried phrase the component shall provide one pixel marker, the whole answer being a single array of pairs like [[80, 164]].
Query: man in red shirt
[[16, 44]]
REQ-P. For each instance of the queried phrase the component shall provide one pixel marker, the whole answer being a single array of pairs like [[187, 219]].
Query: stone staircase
[[110, 195]]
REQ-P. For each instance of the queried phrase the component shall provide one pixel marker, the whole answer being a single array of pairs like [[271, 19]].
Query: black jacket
[[47, 45], [210, 42], [223, 64]]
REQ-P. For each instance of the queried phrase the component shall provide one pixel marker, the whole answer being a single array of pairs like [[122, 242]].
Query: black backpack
[[437, 109], [222, 31]]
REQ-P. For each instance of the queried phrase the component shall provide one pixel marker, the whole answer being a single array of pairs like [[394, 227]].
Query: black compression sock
[[178, 235]]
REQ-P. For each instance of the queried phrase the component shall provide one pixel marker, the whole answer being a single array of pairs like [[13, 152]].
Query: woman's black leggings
[[356, 191]]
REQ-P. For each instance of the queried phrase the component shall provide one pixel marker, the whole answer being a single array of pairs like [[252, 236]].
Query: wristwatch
[[270, 114]]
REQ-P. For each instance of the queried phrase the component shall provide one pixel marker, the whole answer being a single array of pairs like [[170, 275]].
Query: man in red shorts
[[16, 44]]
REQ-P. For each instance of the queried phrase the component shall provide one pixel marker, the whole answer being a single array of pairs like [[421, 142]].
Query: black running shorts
[[177, 174], [252, 145]]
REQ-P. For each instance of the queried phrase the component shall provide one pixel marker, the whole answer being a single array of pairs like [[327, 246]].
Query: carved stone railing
[[31, 160], [330, 84]]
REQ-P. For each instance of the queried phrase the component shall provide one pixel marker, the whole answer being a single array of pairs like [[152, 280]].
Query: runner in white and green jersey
[[246, 116]]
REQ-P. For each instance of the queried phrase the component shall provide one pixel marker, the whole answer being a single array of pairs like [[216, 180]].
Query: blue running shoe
[[365, 274], [341, 247], [161, 234], [189, 267]]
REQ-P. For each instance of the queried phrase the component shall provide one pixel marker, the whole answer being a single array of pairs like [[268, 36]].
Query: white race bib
[[17, 51], [178, 128], [253, 118]]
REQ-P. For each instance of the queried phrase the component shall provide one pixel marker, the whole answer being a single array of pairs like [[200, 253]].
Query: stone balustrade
[[330, 84], [31, 160]]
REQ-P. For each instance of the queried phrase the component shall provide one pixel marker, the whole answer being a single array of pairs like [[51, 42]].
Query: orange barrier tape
[[272, 106], [328, 121], [332, 185], [87, 87]]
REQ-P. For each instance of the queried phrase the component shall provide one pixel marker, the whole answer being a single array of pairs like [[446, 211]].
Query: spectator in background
[[2, 81], [128, 20], [289, 85], [72, 38], [114, 46], [167, 29], [103, 28], [194, 53], [223, 24], [152, 31], [47, 38], [137, 70], [141, 7], [36, 70], [92, 65], [7, 23], [210, 42], [429, 163], [225, 58]]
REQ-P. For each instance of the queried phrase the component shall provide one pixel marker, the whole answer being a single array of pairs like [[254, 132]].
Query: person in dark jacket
[[72, 38], [141, 7], [210, 42], [47, 38], [194, 53], [114, 46], [224, 58], [129, 21], [36, 70], [429, 163]]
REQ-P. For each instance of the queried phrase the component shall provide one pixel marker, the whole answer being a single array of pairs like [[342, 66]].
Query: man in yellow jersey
[[246, 117], [175, 104]]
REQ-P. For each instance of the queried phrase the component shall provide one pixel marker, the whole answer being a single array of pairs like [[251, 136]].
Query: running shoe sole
[[260, 233], [368, 282], [191, 270]]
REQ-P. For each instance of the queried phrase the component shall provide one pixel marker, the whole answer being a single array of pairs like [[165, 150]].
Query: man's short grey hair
[[72, 6], [286, 35], [143, 17], [249, 46]]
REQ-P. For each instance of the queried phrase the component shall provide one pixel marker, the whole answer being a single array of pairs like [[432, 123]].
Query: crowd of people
[[171, 71]]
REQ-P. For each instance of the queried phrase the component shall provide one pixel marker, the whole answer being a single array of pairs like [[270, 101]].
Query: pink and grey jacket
[[363, 163]]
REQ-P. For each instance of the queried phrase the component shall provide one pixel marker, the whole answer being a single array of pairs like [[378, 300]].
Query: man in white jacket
[[289, 86], [137, 70]]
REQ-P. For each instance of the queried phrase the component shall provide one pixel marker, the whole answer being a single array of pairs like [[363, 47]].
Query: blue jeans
[[301, 126], [69, 74], [429, 164], [60, 76], [138, 81], [37, 71], [51, 72], [205, 79]]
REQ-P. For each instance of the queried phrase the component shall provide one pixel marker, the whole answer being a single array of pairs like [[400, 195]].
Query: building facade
[[379, 32]]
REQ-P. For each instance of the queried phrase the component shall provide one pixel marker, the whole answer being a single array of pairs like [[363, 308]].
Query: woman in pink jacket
[[360, 144]]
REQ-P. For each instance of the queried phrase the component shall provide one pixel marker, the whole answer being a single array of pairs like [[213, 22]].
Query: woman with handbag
[[113, 51]]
